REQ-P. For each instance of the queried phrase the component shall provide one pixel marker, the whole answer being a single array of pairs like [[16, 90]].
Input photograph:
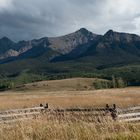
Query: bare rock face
[[115, 40], [61, 45], [22, 47], [25, 48], [65, 44], [9, 53], [14, 52], [121, 37]]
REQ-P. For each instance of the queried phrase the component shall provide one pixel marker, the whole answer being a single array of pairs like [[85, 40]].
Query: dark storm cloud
[[37, 18]]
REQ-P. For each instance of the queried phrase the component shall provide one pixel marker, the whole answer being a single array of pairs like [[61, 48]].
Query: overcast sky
[[28, 19]]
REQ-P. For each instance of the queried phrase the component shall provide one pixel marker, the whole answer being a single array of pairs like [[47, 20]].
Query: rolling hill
[[71, 84]]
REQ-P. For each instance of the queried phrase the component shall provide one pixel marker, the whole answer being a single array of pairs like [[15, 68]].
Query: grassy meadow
[[66, 94]]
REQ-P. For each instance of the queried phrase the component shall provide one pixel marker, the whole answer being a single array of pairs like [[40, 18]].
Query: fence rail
[[127, 115], [22, 110], [20, 114], [129, 109], [130, 119]]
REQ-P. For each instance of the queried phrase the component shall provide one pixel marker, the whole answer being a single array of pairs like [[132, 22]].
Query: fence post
[[41, 105], [46, 106], [114, 112], [107, 109]]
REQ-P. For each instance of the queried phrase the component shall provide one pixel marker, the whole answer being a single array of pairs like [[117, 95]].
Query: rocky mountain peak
[[121, 37], [83, 30], [66, 44], [5, 44], [109, 33], [6, 40], [86, 33]]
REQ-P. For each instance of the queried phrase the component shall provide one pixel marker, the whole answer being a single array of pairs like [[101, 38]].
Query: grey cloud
[[30, 19]]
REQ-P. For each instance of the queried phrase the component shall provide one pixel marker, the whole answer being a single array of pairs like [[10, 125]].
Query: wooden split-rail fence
[[130, 114]]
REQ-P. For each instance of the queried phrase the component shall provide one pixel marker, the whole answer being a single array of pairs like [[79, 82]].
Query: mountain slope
[[81, 53], [79, 40], [81, 46], [66, 44], [114, 48]]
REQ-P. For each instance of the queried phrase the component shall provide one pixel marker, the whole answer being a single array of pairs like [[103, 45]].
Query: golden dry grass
[[19, 99], [67, 126]]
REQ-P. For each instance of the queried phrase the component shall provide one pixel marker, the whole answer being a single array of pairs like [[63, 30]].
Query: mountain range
[[75, 45], [81, 51]]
